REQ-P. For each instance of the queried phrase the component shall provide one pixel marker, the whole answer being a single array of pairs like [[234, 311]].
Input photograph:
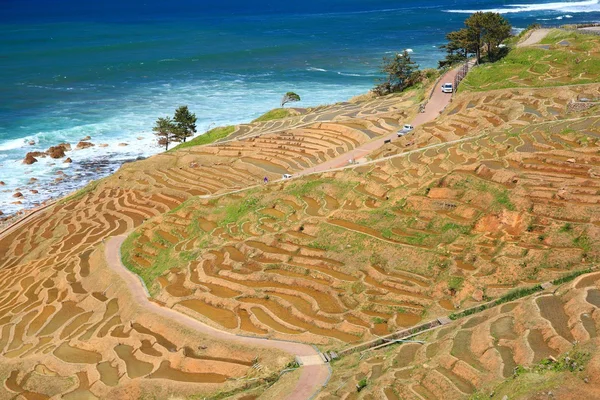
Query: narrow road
[[534, 37], [434, 107], [312, 377]]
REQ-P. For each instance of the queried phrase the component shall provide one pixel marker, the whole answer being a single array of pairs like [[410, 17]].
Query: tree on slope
[[401, 73], [289, 97], [164, 129], [185, 122], [482, 31], [458, 48], [487, 28]]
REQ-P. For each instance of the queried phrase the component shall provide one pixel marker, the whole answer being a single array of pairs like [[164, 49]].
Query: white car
[[447, 88], [287, 176], [405, 129]]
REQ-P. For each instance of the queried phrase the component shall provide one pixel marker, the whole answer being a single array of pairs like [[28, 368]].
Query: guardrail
[[460, 75]]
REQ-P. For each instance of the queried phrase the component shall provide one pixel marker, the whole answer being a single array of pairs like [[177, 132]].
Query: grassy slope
[[535, 66], [209, 137], [277, 113]]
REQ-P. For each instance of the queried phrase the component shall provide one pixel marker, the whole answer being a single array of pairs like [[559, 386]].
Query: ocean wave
[[13, 144], [571, 7], [348, 74], [316, 69]]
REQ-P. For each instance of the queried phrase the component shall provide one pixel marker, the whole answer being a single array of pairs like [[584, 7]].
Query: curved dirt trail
[[312, 378]]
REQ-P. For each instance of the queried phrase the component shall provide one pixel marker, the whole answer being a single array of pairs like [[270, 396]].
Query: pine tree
[[164, 129], [185, 122], [401, 72]]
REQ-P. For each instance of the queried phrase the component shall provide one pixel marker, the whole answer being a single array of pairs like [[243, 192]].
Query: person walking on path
[[266, 180]]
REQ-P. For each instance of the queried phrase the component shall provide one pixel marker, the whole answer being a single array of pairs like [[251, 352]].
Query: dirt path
[[312, 377], [534, 37], [434, 107]]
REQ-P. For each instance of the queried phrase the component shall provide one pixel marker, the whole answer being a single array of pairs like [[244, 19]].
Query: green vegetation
[[164, 129], [277, 113], [575, 60], [401, 72], [482, 31], [570, 277], [455, 283], [209, 137], [178, 129], [289, 97], [584, 242], [185, 123], [235, 211], [361, 384]]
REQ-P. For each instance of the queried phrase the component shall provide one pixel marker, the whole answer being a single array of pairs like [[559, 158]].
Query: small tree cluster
[[483, 31], [176, 129], [401, 72]]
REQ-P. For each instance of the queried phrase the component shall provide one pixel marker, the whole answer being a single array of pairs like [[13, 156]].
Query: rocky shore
[[39, 191]]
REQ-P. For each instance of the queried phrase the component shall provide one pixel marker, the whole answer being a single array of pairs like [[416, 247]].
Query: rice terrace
[[480, 227]]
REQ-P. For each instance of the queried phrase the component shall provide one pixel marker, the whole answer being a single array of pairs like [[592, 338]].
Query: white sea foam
[[316, 69], [570, 7]]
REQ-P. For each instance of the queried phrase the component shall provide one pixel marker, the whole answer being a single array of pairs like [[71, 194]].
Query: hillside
[[499, 192]]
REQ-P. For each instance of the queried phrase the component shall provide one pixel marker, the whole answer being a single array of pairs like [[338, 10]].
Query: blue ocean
[[107, 69]]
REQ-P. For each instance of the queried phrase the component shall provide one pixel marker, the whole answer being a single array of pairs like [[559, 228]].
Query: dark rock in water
[[18, 195], [68, 160], [86, 138], [65, 146], [34, 191], [2, 183], [29, 159], [123, 144], [32, 180], [84, 145], [31, 143], [56, 152]]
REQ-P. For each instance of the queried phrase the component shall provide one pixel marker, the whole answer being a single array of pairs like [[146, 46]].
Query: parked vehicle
[[447, 88], [287, 176], [405, 129]]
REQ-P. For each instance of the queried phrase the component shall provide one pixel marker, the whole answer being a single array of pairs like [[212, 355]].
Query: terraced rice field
[[67, 328], [345, 256], [471, 114], [452, 364]]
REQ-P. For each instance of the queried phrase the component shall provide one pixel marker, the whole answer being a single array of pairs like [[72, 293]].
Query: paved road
[[434, 107], [312, 377]]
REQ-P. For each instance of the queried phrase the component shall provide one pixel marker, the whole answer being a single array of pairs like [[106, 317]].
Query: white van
[[287, 176], [405, 129], [447, 88]]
